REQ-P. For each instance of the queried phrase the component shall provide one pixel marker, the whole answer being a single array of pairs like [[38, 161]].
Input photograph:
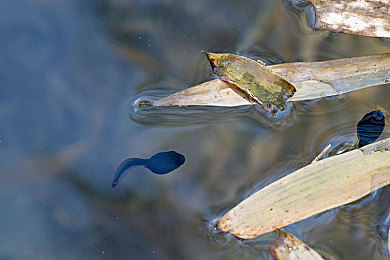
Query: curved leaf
[[266, 87], [311, 79], [320, 186]]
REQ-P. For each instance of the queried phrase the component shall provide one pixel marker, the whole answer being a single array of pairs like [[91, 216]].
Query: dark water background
[[70, 72]]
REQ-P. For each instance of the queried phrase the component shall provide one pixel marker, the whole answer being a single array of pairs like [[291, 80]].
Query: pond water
[[71, 72]]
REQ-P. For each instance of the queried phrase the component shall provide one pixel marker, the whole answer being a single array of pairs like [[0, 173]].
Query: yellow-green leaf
[[288, 247], [320, 186], [267, 88]]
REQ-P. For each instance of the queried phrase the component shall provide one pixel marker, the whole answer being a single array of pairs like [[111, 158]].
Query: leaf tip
[[212, 59], [209, 56], [218, 225]]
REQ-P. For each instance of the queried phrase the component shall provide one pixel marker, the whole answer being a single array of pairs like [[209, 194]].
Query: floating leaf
[[211, 93], [311, 79], [361, 17], [335, 77], [288, 247], [264, 86], [320, 186]]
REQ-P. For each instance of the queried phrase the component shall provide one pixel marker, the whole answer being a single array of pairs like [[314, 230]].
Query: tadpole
[[370, 127], [160, 163]]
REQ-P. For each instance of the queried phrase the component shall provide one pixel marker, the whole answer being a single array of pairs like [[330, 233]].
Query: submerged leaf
[[264, 86], [288, 247], [320, 186]]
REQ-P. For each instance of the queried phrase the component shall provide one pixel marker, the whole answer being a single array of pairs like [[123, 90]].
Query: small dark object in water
[[160, 163], [370, 127]]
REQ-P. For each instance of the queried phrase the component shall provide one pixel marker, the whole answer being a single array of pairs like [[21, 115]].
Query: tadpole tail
[[126, 164]]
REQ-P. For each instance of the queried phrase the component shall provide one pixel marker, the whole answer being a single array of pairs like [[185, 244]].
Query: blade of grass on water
[[318, 187], [311, 79]]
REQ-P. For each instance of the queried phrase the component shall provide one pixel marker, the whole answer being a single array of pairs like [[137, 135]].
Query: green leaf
[[267, 88]]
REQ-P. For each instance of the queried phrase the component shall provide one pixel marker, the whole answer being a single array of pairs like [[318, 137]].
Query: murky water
[[71, 74]]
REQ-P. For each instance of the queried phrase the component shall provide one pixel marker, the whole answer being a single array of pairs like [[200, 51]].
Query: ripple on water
[[299, 7], [210, 230], [341, 134], [334, 122], [327, 105], [141, 110], [237, 247], [262, 53]]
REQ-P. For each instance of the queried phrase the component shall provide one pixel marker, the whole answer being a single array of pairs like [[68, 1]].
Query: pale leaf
[[361, 17], [320, 186], [311, 79], [288, 247], [211, 93]]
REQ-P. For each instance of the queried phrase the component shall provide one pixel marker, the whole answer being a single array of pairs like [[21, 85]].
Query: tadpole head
[[378, 116], [370, 127], [180, 159]]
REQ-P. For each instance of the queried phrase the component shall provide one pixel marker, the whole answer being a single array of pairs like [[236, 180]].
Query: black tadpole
[[370, 127], [160, 163]]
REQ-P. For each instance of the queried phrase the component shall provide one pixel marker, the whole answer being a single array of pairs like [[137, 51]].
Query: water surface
[[70, 74]]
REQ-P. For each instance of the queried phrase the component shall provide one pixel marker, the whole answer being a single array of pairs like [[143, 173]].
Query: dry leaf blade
[[315, 188]]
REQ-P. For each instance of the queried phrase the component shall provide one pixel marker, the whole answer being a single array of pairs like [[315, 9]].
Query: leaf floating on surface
[[320, 186], [361, 17], [264, 86], [288, 247], [211, 93], [311, 79], [370, 127]]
